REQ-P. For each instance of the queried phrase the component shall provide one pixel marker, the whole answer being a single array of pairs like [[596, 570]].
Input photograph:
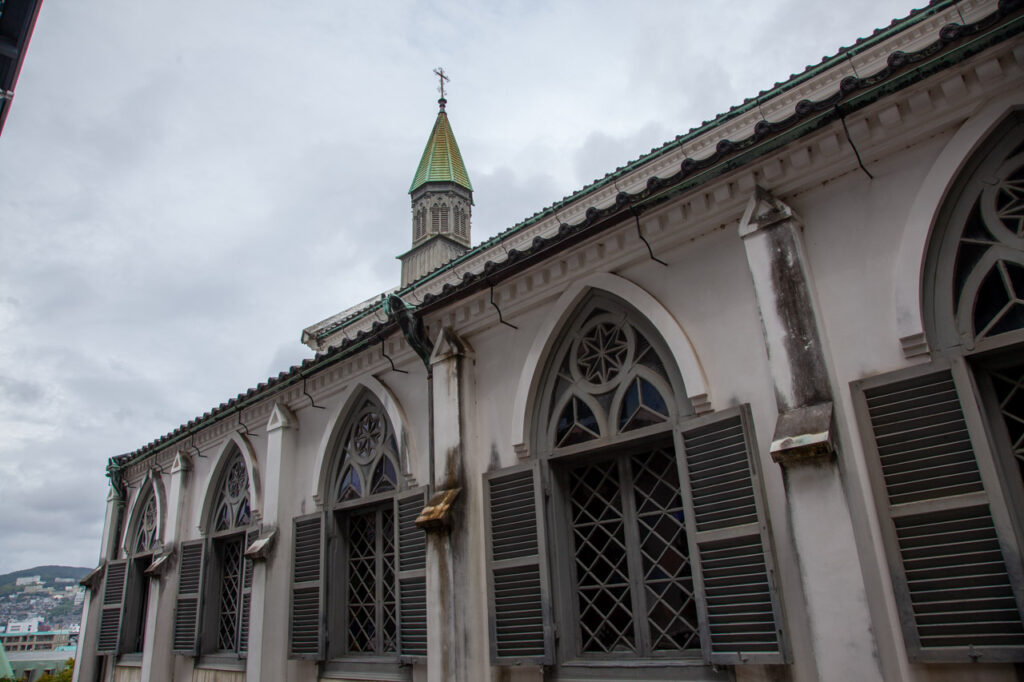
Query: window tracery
[[610, 380], [145, 539], [367, 457], [232, 505], [988, 271]]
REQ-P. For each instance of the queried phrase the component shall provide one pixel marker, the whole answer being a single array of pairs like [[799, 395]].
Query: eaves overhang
[[954, 44], [17, 22]]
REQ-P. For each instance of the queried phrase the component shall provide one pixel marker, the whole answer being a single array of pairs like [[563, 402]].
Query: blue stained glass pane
[[351, 487], [652, 398]]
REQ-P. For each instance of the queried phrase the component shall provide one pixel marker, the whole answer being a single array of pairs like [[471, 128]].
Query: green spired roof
[[441, 160]]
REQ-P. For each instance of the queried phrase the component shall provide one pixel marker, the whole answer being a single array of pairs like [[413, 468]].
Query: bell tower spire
[[442, 200]]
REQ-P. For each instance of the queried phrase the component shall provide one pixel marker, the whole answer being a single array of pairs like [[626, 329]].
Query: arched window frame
[[126, 584], [367, 547], [214, 574], [539, 573], [940, 451]]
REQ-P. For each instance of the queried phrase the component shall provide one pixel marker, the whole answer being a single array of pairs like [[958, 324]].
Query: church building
[[750, 407]]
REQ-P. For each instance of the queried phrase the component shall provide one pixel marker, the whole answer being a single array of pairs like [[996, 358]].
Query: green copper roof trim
[[441, 160]]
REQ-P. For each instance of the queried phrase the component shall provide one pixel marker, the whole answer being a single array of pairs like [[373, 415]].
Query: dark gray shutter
[[189, 604], [949, 566], [243, 621], [306, 634], [109, 640], [412, 576], [517, 583], [741, 619]]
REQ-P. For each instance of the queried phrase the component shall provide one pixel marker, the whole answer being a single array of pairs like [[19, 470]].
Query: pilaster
[[268, 616], [804, 443], [447, 597]]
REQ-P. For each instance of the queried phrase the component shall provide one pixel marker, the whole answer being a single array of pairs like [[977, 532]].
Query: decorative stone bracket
[[803, 433], [262, 546], [437, 515]]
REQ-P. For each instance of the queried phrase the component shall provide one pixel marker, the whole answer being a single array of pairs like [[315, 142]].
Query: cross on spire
[[439, 72]]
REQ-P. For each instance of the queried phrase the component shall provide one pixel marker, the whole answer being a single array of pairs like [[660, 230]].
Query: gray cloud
[[186, 186]]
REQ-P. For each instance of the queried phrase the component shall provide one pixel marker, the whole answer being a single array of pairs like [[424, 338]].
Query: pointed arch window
[[214, 575], [646, 505], [126, 585], [435, 219], [946, 438], [370, 550], [232, 578]]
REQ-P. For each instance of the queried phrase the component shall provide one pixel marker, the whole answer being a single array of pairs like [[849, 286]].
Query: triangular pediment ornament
[[449, 345], [281, 418], [182, 462], [764, 210]]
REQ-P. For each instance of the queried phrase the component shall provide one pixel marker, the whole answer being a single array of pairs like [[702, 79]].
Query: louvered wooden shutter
[[189, 604], [305, 637], [109, 641], [520, 612], [947, 558], [243, 622], [412, 576], [741, 619]]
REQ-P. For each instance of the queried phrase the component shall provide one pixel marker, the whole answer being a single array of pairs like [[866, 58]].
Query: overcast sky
[[185, 185]]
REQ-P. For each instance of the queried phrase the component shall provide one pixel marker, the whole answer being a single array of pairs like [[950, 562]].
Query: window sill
[[220, 662], [133, 660], [639, 670], [366, 670]]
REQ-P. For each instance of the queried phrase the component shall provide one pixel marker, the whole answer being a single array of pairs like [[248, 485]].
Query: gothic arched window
[[641, 501], [435, 219], [375, 554], [126, 585], [444, 218], [948, 435]]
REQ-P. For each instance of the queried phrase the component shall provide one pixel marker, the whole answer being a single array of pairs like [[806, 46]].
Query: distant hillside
[[45, 573]]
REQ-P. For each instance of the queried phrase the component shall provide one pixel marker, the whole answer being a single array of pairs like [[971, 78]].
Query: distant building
[[29, 666], [28, 580], [27, 625], [36, 640]]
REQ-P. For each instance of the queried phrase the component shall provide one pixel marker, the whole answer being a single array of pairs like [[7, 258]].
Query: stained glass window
[[232, 516], [609, 380], [630, 585], [366, 478]]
